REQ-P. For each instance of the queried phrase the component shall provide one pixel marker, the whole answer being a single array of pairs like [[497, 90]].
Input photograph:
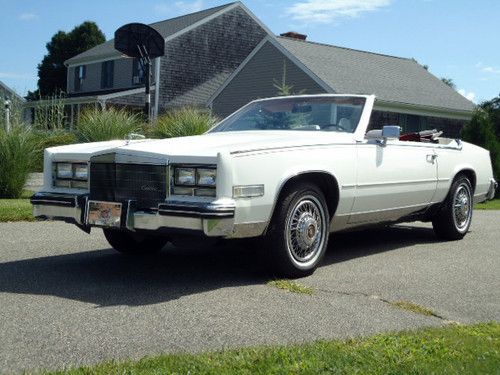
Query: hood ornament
[[133, 136]]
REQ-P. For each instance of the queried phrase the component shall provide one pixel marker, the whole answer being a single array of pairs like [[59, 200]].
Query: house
[[17, 112], [407, 94], [201, 50], [222, 58], [6, 93]]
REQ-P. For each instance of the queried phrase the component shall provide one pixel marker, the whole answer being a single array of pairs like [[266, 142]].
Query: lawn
[[16, 210], [453, 349], [489, 205]]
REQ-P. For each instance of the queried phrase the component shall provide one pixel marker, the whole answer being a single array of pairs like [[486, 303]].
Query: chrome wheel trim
[[462, 207], [305, 231]]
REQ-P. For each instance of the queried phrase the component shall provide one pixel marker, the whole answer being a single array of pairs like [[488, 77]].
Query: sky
[[457, 39]]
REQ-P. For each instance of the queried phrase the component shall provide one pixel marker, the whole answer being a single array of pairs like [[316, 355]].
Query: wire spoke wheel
[[454, 217], [462, 209], [305, 229]]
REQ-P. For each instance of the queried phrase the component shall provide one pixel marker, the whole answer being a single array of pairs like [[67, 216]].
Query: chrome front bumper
[[492, 189], [210, 219]]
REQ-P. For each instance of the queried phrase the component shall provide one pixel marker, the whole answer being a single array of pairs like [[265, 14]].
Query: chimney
[[294, 35]]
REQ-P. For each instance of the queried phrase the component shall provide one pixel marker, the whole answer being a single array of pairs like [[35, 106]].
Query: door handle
[[431, 158]]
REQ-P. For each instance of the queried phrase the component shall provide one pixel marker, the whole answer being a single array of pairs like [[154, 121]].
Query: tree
[[51, 71], [449, 82], [285, 89], [484, 130], [493, 108]]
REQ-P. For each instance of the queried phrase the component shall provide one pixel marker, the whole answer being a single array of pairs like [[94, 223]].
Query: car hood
[[204, 146]]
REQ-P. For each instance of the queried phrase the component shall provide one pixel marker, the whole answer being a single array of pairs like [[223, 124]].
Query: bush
[[481, 131], [105, 125], [43, 139], [17, 155], [183, 122]]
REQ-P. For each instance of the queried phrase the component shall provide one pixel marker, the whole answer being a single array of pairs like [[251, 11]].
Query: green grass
[[291, 286], [451, 350], [16, 210], [489, 205], [413, 307]]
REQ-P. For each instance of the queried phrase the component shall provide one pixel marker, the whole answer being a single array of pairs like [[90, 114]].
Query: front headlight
[[185, 176], [64, 170], [70, 175], [81, 171], [206, 177]]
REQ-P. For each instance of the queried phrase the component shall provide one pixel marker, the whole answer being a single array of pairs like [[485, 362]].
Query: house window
[[137, 72], [80, 72], [107, 71]]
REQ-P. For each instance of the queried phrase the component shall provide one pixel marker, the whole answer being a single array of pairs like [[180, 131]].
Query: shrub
[[17, 155], [183, 122], [105, 125], [49, 113], [481, 131], [43, 139]]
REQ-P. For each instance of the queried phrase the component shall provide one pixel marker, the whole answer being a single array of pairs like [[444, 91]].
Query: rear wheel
[[454, 218], [298, 236], [134, 244]]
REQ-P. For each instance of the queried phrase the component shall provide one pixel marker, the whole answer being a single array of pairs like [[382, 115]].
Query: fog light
[[182, 191], [204, 192], [62, 183]]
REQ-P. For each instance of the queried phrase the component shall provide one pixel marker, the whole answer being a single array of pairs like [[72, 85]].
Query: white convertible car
[[289, 169]]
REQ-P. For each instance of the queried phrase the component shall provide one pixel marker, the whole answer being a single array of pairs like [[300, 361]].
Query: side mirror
[[389, 132]]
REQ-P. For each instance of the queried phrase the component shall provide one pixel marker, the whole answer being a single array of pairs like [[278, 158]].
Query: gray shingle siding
[[256, 80], [165, 28], [215, 48], [134, 100]]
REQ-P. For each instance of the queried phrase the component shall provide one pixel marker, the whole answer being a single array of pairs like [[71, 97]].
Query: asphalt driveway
[[67, 299]]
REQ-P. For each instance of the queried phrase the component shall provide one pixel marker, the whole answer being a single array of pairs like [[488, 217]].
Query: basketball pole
[[147, 104], [145, 43]]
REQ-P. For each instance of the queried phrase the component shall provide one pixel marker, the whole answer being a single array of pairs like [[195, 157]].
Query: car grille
[[115, 182]]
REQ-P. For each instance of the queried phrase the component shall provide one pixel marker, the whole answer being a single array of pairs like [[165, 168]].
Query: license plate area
[[104, 214]]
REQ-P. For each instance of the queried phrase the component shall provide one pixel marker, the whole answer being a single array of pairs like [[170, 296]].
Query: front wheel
[[298, 236], [134, 244], [453, 220]]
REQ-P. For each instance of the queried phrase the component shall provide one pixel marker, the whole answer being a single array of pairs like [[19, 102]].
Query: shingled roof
[[391, 79], [167, 28], [7, 93]]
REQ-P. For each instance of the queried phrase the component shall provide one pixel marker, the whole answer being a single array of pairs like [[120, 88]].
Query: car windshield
[[334, 113]]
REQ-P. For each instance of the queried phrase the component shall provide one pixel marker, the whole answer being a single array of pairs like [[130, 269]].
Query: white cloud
[[324, 11], [28, 16], [179, 6], [490, 69], [469, 95]]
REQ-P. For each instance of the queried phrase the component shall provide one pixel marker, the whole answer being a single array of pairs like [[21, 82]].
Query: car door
[[393, 180]]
